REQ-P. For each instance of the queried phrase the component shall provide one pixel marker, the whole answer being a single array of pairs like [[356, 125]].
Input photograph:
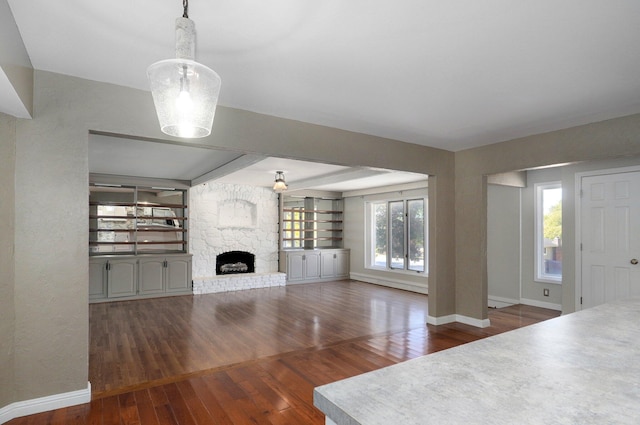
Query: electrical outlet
[[545, 292]]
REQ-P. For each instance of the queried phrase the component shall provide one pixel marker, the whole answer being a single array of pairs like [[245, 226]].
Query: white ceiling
[[447, 74], [198, 164]]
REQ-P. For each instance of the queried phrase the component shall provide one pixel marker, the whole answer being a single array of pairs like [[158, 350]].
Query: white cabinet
[[303, 266], [335, 263], [112, 278], [97, 279], [122, 278], [152, 275], [132, 277], [178, 274]]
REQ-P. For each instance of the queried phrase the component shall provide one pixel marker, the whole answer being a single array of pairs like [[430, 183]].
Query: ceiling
[[201, 164], [446, 74]]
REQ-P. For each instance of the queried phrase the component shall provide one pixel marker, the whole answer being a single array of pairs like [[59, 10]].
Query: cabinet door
[[122, 278], [295, 266], [312, 265], [178, 274], [97, 279], [151, 275], [342, 264], [328, 263]]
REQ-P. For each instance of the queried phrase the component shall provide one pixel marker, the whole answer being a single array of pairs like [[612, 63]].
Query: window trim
[[539, 274]]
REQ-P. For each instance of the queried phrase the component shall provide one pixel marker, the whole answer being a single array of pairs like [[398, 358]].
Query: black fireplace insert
[[233, 262]]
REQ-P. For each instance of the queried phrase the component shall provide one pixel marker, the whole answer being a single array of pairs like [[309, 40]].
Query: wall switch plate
[[545, 292]]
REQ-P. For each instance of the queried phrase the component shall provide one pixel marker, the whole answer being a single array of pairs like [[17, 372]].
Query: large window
[[398, 236], [548, 254]]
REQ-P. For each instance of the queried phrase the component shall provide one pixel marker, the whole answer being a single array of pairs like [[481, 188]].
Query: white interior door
[[610, 230]]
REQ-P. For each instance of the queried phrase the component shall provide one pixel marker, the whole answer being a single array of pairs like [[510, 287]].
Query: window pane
[[380, 248], [397, 234], [552, 232], [416, 234]]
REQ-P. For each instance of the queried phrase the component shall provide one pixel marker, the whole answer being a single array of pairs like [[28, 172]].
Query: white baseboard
[[44, 404], [443, 320], [541, 304], [392, 283], [500, 302]]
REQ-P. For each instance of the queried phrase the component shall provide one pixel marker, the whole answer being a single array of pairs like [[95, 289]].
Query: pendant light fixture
[[184, 91], [280, 185]]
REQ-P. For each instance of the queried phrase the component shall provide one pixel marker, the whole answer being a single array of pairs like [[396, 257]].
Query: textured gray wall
[[7, 217], [503, 241]]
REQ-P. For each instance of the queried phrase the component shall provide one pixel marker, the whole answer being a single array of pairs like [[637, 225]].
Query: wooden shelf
[[138, 217], [96, 243], [286, 220], [139, 230], [312, 211], [136, 204], [312, 239]]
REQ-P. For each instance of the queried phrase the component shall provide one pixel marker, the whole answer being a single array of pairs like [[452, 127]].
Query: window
[[293, 230], [398, 235], [548, 232]]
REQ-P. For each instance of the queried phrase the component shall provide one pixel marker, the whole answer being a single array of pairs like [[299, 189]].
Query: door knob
[[634, 261]]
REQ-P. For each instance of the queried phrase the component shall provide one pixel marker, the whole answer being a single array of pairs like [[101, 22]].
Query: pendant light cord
[[185, 5]]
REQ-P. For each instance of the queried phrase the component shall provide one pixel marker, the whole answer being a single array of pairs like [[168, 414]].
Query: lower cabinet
[[303, 266], [335, 264], [118, 277]]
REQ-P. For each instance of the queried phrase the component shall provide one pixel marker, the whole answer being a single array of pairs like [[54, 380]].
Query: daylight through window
[[398, 235], [549, 232]]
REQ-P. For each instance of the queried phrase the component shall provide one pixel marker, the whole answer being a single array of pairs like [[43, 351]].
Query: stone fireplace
[[229, 218]]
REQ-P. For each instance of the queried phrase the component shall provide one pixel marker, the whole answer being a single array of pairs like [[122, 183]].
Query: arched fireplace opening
[[234, 262]]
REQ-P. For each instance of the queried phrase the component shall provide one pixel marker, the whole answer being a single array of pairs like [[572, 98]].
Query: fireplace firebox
[[233, 262]]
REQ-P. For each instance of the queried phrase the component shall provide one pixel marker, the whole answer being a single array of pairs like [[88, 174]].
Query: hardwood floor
[[253, 357]]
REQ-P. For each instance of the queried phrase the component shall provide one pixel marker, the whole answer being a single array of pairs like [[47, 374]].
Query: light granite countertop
[[581, 368]]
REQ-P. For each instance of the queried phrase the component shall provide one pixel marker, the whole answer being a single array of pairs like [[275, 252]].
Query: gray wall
[[609, 139], [354, 231], [51, 180], [7, 217], [503, 244]]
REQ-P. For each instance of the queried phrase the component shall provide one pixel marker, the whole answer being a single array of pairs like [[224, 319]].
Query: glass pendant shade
[[280, 185], [185, 94]]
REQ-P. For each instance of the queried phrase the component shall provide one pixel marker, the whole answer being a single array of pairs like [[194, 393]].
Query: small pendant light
[[280, 185]]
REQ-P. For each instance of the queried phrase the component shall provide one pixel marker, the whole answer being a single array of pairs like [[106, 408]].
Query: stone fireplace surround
[[228, 217]]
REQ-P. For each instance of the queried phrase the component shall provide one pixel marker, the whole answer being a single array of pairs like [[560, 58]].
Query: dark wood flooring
[[254, 357]]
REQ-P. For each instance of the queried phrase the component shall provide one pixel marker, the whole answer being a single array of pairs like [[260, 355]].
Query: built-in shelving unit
[[133, 220], [311, 239], [137, 242], [309, 223]]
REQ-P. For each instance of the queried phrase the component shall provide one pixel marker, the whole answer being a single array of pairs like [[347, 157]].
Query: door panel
[[610, 233]]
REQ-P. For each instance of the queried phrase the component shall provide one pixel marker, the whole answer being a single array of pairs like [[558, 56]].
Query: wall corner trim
[[43, 404], [443, 320]]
